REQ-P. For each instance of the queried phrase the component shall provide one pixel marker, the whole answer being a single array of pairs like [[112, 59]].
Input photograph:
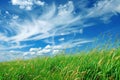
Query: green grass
[[95, 65]]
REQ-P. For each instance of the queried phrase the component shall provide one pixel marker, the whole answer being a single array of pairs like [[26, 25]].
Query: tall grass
[[96, 65], [101, 63]]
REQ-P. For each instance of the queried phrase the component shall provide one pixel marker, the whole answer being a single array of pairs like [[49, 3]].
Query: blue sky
[[46, 27]]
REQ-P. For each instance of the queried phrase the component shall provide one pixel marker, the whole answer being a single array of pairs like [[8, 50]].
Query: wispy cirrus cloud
[[104, 9], [44, 25], [53, 20]]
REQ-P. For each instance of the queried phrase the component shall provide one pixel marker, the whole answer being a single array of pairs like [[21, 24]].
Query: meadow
[[94, 65]]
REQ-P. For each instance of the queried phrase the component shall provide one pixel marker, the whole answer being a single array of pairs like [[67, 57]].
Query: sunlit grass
[[95, 65]]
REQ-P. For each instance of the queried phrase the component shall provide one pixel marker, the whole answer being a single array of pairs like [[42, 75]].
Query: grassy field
[[95, 65]]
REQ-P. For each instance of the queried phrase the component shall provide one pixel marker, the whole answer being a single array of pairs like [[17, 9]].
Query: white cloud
[[38, 2], [118, 8], [66, 9], [61, 39], [55, 49], [45, 25], [34, 49], [27, 4], [10, 55], [15, 17], [81, 31], [105, 8], [7, 12], [54, 20], [12, 47]]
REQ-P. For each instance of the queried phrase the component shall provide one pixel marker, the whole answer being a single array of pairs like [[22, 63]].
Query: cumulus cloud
[[66, 9], [43, 51], [27, 4], [55, 49], [15, 17]]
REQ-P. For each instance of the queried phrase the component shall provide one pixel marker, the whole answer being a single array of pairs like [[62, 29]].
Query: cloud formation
[[50, 21], [105, 8], [27, 4], [55, 49]]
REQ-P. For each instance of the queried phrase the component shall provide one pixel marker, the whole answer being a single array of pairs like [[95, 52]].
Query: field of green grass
[[95, 65]]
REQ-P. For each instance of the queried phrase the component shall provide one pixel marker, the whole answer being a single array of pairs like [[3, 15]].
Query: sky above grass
[[45, 27]]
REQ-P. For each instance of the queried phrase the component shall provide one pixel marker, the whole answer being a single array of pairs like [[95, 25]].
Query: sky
[[30, 28]]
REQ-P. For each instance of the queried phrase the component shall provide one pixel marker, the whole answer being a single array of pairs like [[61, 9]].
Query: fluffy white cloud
[[34, 49], [55, 49], [66, 9], [27, 4], [40, 51], [15, 17], [38, 2]]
